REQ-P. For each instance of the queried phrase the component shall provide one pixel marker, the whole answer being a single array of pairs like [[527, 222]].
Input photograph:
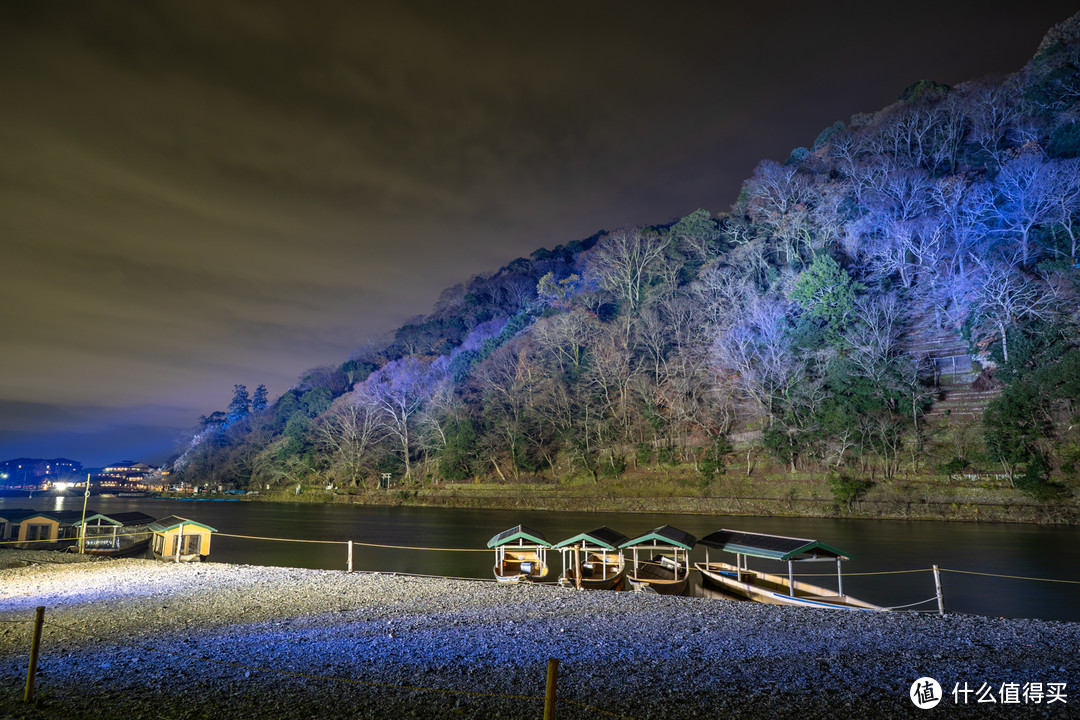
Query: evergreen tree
[[240, 406], [259, 400]]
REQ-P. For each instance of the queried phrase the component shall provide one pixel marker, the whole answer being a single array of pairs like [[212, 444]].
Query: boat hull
[[773, 589], [660, 578], [597, 575], [521, 566]]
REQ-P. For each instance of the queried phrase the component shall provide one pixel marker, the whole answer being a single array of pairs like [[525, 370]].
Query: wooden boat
[[520, 554], [178, 539], [740, 581], [115, 535], [666, 567], [593, 560]]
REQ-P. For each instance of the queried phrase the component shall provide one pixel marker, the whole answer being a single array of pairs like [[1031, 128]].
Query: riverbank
[[265, 642], [682, 491]]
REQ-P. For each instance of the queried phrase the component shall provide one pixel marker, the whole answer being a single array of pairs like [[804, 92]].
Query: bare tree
[[1007, 296], [396, 392], [873, 343], [624, 261], [1029, 193], [564, 338], [760, 354], [347, 431]]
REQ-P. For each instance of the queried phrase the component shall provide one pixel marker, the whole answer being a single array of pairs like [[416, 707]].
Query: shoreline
[[477, 645]]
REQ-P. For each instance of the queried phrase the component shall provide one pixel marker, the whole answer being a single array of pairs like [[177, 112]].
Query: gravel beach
[[145, 639]]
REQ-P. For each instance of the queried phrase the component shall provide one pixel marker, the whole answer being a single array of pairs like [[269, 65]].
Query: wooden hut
[[45, 530], [10, 522], [179, 539]]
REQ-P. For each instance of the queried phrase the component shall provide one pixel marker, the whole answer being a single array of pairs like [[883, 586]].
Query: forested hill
[[783, 329]]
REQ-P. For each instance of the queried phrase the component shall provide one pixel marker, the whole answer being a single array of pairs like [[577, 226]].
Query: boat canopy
[[772, 547], [603, 537], [125, 519], [518, 532], [174, 521], [665, 535]]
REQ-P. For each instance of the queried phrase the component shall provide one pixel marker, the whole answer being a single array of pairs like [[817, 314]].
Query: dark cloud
[[197, 194]]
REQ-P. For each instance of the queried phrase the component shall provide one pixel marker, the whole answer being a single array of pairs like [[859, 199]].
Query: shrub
[[846, 490]]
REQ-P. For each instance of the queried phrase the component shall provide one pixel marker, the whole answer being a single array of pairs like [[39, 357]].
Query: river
[[875, 546]]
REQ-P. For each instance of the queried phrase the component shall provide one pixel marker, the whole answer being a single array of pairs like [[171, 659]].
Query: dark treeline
[[785, 321]]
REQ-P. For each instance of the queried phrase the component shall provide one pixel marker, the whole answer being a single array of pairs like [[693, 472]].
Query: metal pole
[[86, 498], [350, 556], [549, 696], [937, 589], [839, 579], [790, 579], [39, 620]]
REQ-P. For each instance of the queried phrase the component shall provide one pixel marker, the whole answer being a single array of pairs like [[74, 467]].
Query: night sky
[[200, 194]]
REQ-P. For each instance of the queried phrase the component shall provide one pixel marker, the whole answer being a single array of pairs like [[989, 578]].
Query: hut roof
[[773, 547], [518, 532], [603, 537], [665, 535], [174, 521], [60, 516], [16, 514]]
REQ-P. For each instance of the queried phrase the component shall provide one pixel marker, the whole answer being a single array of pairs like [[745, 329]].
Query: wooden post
[[39, 620], [350, 556], [549, 695], [937, 589]]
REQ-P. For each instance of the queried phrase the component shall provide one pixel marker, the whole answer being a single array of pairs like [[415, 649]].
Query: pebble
[[139, 638]]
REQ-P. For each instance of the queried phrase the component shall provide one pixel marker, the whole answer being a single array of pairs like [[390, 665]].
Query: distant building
[[31, 473], [126, 475]]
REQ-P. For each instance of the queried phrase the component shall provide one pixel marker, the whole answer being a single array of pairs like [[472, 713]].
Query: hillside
[[895, 303]]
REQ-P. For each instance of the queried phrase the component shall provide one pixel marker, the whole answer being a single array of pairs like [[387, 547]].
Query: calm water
[[875, 546]]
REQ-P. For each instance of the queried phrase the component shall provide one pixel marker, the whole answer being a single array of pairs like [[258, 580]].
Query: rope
[[1010, 577], [882, 572], [921, 602], [355, 543], [311, 676]]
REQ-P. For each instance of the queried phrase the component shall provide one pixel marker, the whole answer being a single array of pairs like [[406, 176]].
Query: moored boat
[[666, 567], [520, 554], [593, 560], [178, 539], [740, 581], [116, 535]]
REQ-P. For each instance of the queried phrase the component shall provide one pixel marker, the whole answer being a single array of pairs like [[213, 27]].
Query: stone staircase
[[947, 366]]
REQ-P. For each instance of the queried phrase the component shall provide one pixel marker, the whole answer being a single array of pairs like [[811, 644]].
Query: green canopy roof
[[518, 532], [772, 547], [174, 521], [665, 535], [603, 537], [126, 519]]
